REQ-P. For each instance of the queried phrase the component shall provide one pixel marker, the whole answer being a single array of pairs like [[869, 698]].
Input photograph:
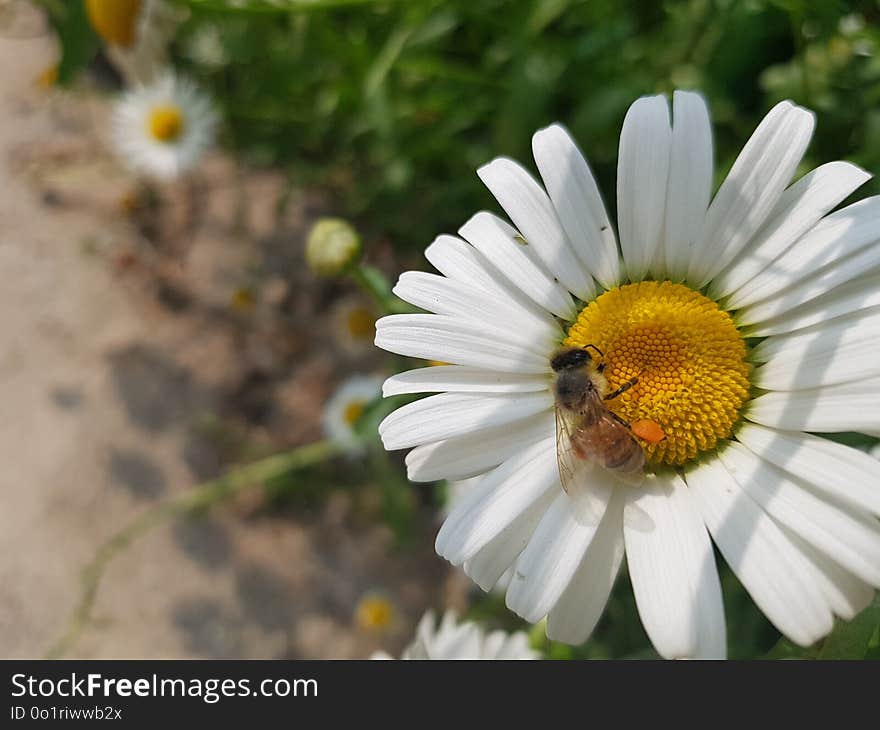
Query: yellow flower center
[[688, 357], [374, 613], [353, 412], [115, 20], [165, 123], [361, 323]]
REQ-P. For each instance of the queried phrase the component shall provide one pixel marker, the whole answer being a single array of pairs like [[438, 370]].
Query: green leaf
[[854, 639], [78, 41]]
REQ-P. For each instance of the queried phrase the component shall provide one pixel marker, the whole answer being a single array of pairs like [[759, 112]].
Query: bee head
[[570, 358]]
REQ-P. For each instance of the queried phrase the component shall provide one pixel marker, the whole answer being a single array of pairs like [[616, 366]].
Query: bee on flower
[[647, 392]]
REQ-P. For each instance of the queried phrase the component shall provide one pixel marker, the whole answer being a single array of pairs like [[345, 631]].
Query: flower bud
[[332, 247]]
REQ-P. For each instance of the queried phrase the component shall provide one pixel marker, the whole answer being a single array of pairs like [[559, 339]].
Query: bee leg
[[619, 419], [622, 389]]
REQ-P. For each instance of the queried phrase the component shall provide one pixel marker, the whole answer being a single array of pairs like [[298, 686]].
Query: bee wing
[[566, 458], [589, 495]]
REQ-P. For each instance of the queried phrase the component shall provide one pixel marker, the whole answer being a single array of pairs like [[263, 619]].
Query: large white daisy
[[451, 639], [752, 319], [163, 128]]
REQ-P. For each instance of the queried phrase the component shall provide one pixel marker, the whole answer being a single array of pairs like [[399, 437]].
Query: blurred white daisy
[[453, 640], [136, 33], [164, 128], [345, 408], [670, 300], [375, 612]]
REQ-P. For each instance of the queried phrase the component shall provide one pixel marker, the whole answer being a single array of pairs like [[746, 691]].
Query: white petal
[[461, 379], [578, 203], [487, 566], [546, 566], [446, 415], [823, 354], [464, 264], [853, 296], [798, 210], [642, 173], [466, 456], [690, 181], [853, 406], [752, 188], [517, 262], [847, 475], [850, 540], [839, 248], [444, 296], [532, 213], [776, 576], [580, 607], [492, 505], [459, 342], [845, 594], [673, 573]]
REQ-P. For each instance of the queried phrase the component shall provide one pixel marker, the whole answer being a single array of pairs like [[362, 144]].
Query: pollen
[[688, 356], [115, 20], [165, 123]]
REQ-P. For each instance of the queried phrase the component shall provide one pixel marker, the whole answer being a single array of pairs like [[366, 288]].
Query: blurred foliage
[[390, 106]]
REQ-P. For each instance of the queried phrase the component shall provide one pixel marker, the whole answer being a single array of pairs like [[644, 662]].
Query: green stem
[[374, 284], [192, 501]]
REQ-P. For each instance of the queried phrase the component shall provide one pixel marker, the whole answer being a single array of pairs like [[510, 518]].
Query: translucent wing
[[589, 495], [566, 458]]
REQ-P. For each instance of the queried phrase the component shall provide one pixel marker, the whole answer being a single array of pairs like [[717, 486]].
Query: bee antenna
[[593, 347]]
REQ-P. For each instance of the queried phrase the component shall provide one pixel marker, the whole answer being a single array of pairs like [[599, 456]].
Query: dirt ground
[[147, 342]]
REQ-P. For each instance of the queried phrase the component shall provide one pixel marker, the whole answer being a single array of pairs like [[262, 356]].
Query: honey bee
[[587, 431]]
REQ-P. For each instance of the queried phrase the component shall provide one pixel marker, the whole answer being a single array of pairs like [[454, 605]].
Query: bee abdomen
[[625, 455]]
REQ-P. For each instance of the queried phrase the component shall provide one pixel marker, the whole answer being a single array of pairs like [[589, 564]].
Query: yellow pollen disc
[[685, 351], [165, 123], [353, 412], [374, 612], [115, 20], [361, 323]]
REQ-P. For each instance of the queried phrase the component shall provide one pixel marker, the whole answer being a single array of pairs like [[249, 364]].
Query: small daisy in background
[[736, 327], [136, 33], [346, 407], [451, 639], [375, 613], [354, 323], [162, 129]]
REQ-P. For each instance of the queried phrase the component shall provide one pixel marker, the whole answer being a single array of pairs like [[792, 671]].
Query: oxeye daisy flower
[[745, 325], [162, 129], [451, 639], [375, 612], [136, 34], [346, 407]]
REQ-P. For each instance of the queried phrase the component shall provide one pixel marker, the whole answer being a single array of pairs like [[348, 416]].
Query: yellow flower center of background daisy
[[685, 351], [165, 123], [353, 412], [115, 20], [361, 323], [374, 613]]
